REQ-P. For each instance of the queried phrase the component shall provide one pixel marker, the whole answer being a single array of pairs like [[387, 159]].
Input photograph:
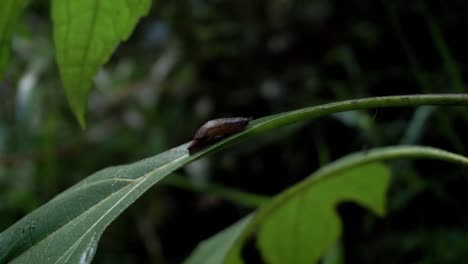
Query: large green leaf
[[306, 225], [67, 228], [300, 224], [86, 32], [10, 10]]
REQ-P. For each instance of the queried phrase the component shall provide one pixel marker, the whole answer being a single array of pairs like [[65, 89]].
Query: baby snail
[[216, 130]]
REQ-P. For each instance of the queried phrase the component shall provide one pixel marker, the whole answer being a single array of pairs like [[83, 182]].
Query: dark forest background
[[189, 61]]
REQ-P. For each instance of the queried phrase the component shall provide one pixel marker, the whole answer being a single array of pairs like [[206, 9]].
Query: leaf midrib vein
[[137, 182]]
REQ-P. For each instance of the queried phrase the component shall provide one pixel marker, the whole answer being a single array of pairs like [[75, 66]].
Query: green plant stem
[[349, 105]]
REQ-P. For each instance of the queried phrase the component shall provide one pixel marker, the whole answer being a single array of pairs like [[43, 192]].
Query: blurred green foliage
[[190, 61]]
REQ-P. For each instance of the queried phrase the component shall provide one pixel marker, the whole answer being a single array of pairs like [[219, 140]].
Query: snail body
[[215, 130]]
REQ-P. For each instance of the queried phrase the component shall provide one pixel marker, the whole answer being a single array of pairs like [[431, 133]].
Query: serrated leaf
[[86, 32], [304, 227], [10, 11]]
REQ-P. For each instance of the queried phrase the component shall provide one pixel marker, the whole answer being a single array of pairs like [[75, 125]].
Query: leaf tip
[[81, 121], [77, 101], [79, 113]]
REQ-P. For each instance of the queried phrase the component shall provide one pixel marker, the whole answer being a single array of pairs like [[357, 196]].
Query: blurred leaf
[[213, 250], [86, 33], [301, 229], [417, 125], [10, 10]]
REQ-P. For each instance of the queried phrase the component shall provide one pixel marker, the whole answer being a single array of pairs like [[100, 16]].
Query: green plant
[[298, 225], [68, 228], [85, 33]]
